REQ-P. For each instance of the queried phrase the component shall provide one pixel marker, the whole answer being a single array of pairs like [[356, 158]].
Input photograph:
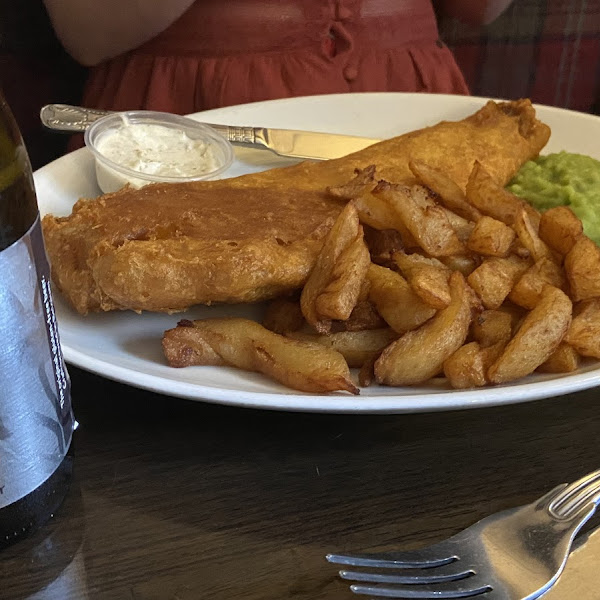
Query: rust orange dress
[[225, 52]]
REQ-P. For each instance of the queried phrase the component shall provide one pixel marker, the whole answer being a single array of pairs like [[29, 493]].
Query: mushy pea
[[563, 179]]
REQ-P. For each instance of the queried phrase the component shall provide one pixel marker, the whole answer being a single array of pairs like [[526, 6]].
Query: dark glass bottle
[[36, 419]]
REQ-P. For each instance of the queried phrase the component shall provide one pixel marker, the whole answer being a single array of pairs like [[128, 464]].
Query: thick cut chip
[[529, 238], [465, 264], [560, 229], [492, 199], [541, 332], [584, 333], [528, 289], [491, 237], [519, 250], [357, 347], [450, 194], [396, 301], [363, 295], [491, 327], [245, 344], [582, 265], [465, 369], [428, 277], [334, 284], [376, 213], [431, 285], [468, 366], [340, 296], [419, 355], [565, 359], [372, 211], [494, 278], [410, 264], [426, 221], [461, 226], [366, 375]]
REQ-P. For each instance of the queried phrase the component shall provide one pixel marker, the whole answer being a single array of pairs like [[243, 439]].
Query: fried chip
[[396, 301], [334, 285], [560, 229], [541, 332], [584, 333], [420, 354], [247, 345], [427, 222], [582, 265]]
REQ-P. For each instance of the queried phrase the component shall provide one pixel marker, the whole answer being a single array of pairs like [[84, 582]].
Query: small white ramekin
[[113, 176]]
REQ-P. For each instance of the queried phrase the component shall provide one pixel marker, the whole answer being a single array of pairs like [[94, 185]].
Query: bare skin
[[93, 31]]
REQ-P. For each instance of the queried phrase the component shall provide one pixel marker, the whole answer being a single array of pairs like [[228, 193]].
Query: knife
[[284, 142]]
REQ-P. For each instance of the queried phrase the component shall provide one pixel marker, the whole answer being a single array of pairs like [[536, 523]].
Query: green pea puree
[[563, 179]]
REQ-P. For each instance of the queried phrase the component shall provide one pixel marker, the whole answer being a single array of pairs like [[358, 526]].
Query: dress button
[[350, 73]]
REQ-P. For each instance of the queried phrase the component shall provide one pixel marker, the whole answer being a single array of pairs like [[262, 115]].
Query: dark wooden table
[[182, 500]]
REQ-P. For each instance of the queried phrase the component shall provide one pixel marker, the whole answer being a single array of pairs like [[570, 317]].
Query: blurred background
[[547, 50], [35, 70]]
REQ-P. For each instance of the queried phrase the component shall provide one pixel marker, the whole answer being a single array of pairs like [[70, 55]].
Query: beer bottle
[[36, 419]]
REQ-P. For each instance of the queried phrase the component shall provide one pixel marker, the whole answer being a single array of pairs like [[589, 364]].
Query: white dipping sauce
[[157, 150]]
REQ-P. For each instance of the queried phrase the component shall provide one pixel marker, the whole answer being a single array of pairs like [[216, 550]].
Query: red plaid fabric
[[546, 50]]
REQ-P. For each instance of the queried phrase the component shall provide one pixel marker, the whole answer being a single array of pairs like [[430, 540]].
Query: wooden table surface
[[174, 499]]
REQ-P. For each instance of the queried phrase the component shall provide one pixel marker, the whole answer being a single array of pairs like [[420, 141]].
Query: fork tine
[[424, 576], [425, 591], [415, 559]]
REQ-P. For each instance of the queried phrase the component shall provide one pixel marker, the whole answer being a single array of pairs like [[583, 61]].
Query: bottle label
[[36, 418]]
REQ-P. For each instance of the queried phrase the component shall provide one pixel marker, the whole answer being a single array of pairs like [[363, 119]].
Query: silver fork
[[515, 554]]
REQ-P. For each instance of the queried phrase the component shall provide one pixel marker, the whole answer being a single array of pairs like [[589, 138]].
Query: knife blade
[[293, 143], [284, 142], [581, 578]]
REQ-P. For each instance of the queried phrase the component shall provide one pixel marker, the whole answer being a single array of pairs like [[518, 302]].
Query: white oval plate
[[126, 346]]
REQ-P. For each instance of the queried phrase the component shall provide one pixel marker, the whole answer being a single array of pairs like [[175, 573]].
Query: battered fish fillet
[[167, 247]]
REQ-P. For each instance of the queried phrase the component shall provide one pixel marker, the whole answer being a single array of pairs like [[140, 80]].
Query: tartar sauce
[[157, 150]]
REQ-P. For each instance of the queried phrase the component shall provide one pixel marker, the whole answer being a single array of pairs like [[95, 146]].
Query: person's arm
[[94, 30], [474, 12]]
